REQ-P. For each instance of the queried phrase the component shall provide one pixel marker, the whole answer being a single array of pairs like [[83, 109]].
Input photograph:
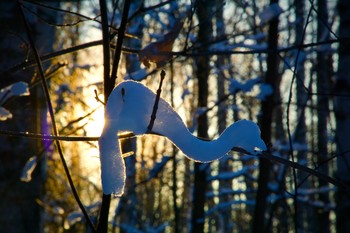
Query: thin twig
[[49, 137], [335, 182], [185, 53], [98, 99], [56, 24], [86, 18], [266, 155], [143, 10], [156, 101], [290, 140], [325, 22], [52, 116]]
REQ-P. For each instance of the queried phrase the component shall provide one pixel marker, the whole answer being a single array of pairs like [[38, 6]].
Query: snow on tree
[[129, 109]]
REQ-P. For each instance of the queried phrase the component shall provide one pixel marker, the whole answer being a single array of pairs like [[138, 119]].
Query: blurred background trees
[[281, 63]]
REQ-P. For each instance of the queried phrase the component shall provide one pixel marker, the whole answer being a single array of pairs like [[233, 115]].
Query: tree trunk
[[202, 66], [324, 72], [342, 112], [259, 222]]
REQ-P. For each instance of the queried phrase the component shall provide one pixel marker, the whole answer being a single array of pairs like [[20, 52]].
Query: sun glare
[[96, 122]]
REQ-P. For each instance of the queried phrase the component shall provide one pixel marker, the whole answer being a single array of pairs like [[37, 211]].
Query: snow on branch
[[129, 109], [16, 89], [269, 13]]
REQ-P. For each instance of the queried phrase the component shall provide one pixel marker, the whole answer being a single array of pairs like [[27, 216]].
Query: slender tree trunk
[[202, 73], [342, 111], [259, 221], [324, 72]]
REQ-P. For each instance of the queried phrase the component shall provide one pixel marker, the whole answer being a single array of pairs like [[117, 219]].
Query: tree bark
[[324, 72], [342, 112], [259, 220], [202, 73]]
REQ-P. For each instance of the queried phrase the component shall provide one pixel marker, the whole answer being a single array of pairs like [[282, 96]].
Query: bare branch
[[156, 101]]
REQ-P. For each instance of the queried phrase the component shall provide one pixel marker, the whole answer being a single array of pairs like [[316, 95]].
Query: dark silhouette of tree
[[342, 106], [267, 107], [324, 76], [203, 9]]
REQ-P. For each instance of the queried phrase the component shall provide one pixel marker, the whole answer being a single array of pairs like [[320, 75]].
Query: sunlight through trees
[[211, 64]]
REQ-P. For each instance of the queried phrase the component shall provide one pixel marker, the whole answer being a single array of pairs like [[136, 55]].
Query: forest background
[[281, 63]]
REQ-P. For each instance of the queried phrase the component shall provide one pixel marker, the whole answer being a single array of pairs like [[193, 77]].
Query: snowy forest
[[132, 116]]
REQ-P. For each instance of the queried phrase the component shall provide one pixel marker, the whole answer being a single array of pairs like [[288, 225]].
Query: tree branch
[[156, 101], [118, 48]]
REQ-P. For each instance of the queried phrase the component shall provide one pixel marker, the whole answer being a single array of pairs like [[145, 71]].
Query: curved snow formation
[[129, 108]]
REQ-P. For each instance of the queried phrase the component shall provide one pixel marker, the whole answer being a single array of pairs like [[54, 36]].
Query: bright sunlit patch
[[96, 120]]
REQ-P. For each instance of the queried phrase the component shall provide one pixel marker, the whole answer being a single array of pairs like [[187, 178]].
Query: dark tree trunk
[[324, 73], [202, 73], [342, 111], [259, 220]]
